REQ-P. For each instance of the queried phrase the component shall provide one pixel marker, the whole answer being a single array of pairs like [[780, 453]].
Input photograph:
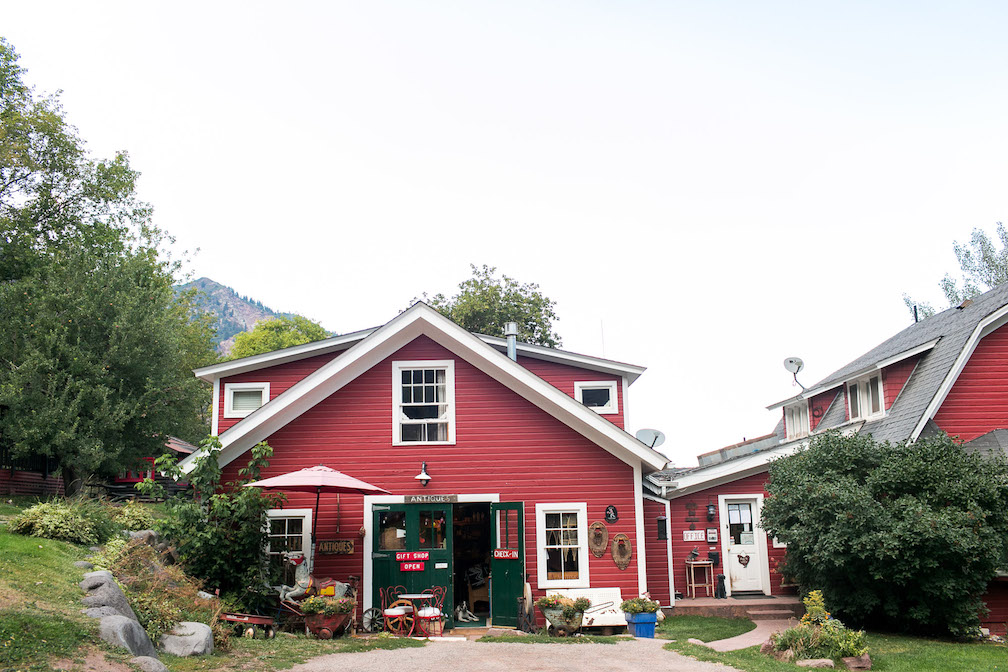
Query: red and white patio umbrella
[[318, 480]]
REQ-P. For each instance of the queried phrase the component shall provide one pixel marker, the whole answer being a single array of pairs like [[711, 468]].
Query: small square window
[[600, 396], [423, 409], [241, 399]]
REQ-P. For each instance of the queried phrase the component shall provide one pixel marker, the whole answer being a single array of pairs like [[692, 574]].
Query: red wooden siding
[[819, 404], [280, 377], [657, 554], [978, 402], [678, 522], [29, 483], [996, 599], [504, 445], [563, 377], [894, 378]]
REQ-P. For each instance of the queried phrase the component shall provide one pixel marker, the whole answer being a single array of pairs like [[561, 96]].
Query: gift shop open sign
[[412, 561]]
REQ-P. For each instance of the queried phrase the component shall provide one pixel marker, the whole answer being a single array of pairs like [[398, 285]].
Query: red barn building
[[523, 455], [948, 372]]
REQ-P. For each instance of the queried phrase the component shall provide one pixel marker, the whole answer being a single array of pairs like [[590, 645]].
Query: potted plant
[[324, 616], [641, 616], [563, 613]]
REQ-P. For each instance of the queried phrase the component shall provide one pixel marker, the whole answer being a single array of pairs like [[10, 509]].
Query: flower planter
[[324, 627], [641, 625], [561, 625]]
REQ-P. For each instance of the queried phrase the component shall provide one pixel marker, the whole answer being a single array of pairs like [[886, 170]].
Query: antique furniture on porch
[[707, 567]]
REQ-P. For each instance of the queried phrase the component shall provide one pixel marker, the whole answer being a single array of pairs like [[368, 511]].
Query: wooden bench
[[604, 611]]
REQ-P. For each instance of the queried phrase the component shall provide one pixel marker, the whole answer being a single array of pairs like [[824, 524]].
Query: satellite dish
[[650, 437], [794, 365]]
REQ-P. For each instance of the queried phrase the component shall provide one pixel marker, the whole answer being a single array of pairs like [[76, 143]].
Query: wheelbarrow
[[251, 624]]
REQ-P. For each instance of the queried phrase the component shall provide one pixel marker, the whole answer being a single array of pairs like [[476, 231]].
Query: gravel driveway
[[466, 656]]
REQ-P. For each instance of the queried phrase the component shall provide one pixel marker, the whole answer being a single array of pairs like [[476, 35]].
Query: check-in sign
[[412, 556], [505, 554], [411, 566]]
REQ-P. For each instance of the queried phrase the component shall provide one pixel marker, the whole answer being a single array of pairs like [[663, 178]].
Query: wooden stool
[[708, 577]]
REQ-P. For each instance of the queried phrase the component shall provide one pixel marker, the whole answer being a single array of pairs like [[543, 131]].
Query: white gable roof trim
[[384, 342], [877, 366]]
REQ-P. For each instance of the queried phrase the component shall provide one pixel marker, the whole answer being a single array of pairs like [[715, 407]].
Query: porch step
[[769, 614]]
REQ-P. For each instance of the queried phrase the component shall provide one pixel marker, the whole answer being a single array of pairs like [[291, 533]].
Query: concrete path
[[754, 637], [637, 654]]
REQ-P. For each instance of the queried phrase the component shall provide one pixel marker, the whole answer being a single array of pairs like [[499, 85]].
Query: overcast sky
[[705, 188]]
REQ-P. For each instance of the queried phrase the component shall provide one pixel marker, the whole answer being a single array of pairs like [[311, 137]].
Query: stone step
[[769, 614]]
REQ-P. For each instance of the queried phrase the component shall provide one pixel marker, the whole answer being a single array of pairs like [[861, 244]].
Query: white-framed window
[[423, 402], [240, 399], [600, 396], [864, 398], [289, 532], [562, 545], [796, 420]]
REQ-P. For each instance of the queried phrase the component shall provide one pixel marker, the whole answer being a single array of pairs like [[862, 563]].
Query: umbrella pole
[[314, 522]]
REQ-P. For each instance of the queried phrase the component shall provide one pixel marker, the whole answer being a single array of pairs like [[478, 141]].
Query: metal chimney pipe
[[511, 334]]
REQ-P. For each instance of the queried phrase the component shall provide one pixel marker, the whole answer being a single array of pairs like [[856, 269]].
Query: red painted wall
[[280, 377], [563, 377], [895, 377], [29, 483], [657, 554], [978, 402], [819, 404], [504, 445], [997, 602], [680, 512]]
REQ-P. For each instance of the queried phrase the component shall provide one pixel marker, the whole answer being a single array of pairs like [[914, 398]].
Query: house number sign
[[412, 556]]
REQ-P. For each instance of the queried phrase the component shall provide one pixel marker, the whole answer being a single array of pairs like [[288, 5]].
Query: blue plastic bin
[[641, 625]]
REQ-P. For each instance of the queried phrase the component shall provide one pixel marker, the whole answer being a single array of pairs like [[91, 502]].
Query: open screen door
[[507, 562]]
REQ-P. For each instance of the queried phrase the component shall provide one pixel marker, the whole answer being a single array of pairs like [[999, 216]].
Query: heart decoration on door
[[743, 559]]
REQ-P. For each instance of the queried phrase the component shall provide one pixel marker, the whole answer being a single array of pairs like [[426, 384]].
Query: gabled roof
[[380, 343], [346, 341]]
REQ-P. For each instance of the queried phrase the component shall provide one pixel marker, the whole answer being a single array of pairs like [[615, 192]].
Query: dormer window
[[796, 420], [240, 399], [600, 396], [864, 398]]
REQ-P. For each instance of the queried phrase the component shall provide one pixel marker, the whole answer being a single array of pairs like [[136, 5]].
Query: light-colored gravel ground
[[466, 656]]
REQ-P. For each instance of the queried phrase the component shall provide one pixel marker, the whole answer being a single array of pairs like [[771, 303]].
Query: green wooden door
[[507, 562], [413, 548]]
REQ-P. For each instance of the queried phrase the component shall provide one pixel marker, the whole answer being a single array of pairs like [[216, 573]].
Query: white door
[[743, 557]]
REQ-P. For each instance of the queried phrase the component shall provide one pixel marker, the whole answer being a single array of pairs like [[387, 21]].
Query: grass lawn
[[889, 653]]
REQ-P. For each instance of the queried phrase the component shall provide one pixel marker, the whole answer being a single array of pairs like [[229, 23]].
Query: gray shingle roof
[[953, 328]]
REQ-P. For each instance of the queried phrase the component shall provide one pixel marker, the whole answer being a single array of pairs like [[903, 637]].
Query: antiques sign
[[505, 554], [410, 556], [336, 547], [431, 499], [694, 535]]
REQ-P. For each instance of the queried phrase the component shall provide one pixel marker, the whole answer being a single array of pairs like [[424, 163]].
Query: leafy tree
[[485, 303], [275, 334], [984, 265], [904, 535], [221, 533], [96, 350]]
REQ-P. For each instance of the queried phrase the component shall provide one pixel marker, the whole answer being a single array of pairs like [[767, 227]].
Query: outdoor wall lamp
[[423, 476], [711, 512]]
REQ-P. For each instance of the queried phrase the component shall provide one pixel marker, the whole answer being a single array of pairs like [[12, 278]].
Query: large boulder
[[188, 639], [101, 612], [127, 633], [110, 595], [83, 564], [92, 580], [148, 664], [149, 537], [862, 662]]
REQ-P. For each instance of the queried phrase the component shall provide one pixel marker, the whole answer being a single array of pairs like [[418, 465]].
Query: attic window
[[423, 408], [796, 420], [240, 399], [600, 396], [864, 398]]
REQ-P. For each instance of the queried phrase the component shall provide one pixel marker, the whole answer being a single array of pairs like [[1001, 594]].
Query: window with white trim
[[289, 532], [864, 398], [423, 402], [240, 399], [562, 545], [796, 420], [600, 396]]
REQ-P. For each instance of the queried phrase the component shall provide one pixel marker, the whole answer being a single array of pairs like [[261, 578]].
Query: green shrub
[[328, 606], [106, 558], [133, 516], [639, 605], [79, 521], [819, 635], [903, 536]]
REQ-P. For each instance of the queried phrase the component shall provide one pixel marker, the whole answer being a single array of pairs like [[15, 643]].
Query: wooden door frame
[[367, 596], [762, 554]]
